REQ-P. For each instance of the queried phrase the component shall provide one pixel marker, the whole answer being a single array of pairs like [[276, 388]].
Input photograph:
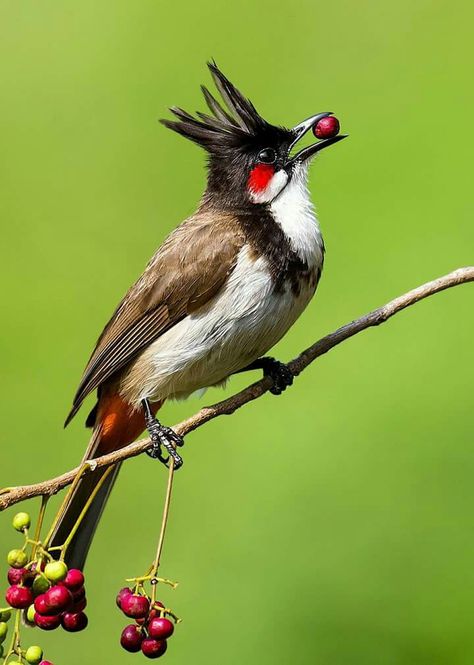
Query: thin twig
[[14, 495]]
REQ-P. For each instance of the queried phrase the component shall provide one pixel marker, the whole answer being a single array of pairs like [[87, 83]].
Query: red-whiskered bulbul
[[222, 289]]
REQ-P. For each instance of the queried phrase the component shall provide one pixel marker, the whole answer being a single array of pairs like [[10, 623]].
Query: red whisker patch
[[259, 177]]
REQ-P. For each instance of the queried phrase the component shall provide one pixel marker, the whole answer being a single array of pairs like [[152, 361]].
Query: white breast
[[238, 326], [294, 212]]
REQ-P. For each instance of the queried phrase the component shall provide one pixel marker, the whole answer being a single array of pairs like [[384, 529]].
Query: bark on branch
[[14, 495]]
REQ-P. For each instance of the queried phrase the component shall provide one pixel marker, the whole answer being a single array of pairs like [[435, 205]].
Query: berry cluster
[[61, 599], [44, 591], [152, 628], [53, 597]]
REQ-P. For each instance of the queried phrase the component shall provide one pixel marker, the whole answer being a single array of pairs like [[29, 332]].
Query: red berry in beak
[[19, 597], [135, 606], [153, 648], [131, 638], [160, 628], [73, 623], [326, 128], [47, 623]]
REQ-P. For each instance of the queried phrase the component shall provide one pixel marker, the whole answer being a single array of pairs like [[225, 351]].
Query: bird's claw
[[280, 374], [164, 437], [155, 452], [171, 434]]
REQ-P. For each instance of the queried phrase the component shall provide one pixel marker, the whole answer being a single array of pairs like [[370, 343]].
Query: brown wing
[[189, 269]]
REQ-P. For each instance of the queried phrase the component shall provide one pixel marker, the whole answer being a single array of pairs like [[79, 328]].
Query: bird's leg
[[161, 436], [280, 373]]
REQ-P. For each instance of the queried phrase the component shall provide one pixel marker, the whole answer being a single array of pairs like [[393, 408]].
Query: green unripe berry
[[30, 614], [40, 585], [34, 655], [56, 571], [5, 615], [3, 631], [17, 558], [21, 521]]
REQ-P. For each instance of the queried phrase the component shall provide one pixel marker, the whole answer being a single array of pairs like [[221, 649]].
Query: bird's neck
[[291, 212], [294, 212]]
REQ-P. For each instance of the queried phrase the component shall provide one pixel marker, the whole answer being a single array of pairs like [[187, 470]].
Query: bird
[[222, 289]]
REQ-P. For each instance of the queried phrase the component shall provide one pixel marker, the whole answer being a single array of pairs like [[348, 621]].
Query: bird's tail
[[116, 425]]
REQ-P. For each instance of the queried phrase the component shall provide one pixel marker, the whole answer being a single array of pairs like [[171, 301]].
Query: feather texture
[[233, 125], [184, 274]]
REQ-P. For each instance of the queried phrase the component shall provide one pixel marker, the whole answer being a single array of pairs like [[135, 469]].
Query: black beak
[[300, 130]]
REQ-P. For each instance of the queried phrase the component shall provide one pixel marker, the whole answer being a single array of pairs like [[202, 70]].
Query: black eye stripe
[[267, 156]]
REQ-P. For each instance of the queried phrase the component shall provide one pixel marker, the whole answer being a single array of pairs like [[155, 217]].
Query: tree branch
[[14, 495]]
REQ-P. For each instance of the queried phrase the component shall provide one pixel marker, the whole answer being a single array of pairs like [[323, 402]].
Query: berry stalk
[[164, 523]]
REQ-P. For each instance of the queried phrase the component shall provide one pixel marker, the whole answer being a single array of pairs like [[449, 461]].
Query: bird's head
[[250, 160]]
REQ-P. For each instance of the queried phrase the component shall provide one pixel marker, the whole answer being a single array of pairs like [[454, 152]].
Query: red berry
[[79, 594], [135, 605], [19, 597], [131, 638], [28, 578], [143, 620], [326, 127], [58, 598], [73, 623], [74, 579], [155, 612], [123, 593], [16, 575], [153, 648], [79, 606], [42, 607], [47, 623], [45, 662], [160, 628]]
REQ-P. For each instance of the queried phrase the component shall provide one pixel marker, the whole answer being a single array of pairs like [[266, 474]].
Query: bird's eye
[[267, 156]]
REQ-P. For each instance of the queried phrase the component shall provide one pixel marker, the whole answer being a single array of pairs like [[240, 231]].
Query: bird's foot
[[280, 374], [162, 437]]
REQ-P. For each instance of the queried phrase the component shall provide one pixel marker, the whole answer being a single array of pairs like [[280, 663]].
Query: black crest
[[234, 125]]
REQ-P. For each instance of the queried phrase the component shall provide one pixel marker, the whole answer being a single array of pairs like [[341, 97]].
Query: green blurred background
[[332, 525]]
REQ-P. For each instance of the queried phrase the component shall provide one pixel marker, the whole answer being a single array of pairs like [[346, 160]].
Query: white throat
[[294, 212]]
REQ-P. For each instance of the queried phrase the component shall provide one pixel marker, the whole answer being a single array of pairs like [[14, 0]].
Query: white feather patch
[[294, 212]]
